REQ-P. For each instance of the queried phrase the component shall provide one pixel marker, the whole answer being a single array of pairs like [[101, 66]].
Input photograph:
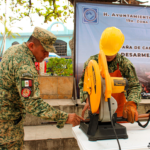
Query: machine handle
[[144, 116], [140, 117]]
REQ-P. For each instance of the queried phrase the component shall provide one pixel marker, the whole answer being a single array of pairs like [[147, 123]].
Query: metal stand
[[74, 98]]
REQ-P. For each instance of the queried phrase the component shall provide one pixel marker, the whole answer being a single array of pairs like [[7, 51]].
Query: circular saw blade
[[95, 86]]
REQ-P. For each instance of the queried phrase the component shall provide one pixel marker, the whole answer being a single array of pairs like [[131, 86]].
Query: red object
[[27, 83], [30, 82], [37, 66], [26, 92], [45, 67]]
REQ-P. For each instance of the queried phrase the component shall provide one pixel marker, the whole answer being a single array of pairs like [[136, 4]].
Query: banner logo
[[90, 15]]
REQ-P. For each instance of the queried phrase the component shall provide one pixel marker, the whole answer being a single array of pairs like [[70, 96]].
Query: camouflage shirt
[[127, 71], [18, 65]]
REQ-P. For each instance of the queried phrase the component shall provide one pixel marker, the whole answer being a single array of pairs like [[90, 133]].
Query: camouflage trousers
[[11, 135], [17, 145]]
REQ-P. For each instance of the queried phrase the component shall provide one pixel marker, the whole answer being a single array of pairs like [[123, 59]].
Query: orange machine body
[[114, 83]]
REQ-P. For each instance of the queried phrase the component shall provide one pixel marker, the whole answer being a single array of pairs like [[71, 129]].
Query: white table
[[138, 139]]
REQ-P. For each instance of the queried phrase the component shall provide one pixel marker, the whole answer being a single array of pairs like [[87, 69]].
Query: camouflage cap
[[46, 38]]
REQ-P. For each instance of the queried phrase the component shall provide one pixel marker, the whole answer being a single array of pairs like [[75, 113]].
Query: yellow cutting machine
[[98, 83], [100, 86]]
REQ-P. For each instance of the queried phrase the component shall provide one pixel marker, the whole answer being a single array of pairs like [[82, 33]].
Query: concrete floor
[[45, 132], [49, 137]]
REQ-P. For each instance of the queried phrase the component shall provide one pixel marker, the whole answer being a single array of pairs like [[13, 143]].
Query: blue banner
[[134, 22]]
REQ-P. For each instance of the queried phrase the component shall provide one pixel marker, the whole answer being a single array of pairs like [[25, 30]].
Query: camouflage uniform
[[127, 71], [16, 98]]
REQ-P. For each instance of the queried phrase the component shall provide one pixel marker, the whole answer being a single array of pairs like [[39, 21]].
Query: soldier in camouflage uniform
[[19, 89], [122, 67]]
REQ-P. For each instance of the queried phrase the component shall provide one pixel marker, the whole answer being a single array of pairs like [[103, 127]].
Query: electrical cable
[[112, 123]]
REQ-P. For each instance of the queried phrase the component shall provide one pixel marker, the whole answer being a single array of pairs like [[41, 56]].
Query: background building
[[63, 35]]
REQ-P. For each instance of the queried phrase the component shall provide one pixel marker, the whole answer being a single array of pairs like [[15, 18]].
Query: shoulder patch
[[26, 92], [26, 87], [27, 75], [26, 83]]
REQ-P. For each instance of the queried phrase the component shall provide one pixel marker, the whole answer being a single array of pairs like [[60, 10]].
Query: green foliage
[[19, 9], [60, 67], [7, 21], [49, 9]]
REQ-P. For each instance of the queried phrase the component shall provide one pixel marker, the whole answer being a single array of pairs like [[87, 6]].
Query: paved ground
[[45, 132]]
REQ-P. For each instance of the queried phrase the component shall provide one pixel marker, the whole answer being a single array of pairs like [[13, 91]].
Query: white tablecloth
[[138, 139]]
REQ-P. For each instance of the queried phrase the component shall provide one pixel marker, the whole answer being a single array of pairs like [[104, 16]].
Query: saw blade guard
[[92, 84], [102, 63]]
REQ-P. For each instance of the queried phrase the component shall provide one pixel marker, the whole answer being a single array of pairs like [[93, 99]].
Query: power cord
[[112, 123]]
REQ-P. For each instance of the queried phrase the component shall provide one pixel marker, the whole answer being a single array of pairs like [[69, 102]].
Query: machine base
[[105, 131]]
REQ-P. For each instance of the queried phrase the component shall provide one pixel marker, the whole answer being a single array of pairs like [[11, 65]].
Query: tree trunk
[[71, 45], [4, 44]]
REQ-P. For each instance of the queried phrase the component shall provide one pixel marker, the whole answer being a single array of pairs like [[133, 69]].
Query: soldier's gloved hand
[[130, 111], [74, 119]]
